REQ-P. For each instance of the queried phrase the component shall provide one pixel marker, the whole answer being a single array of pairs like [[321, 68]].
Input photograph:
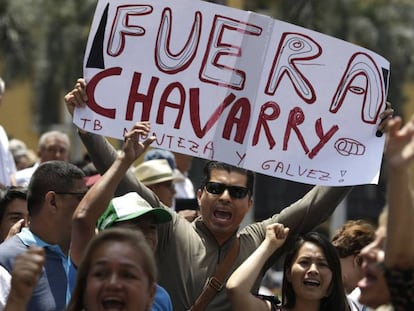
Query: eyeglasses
[[79, 195], [236, 192]]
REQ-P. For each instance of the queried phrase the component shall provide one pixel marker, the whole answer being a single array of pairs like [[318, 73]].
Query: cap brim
[[161, 215]]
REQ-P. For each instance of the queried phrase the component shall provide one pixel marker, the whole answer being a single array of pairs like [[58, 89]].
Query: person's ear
[[358, 260], [50, 199], [199, 194], [250, 202]]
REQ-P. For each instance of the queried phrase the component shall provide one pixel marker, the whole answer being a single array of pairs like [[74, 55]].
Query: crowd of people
[[122, 240]]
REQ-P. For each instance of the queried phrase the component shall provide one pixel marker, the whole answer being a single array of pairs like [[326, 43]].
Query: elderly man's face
[[54, 148]]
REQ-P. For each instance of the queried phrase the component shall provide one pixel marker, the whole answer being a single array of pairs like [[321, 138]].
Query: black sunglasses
[[236, 192]]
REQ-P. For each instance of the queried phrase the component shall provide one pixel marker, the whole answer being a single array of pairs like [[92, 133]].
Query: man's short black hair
[[214, 165], [9, 195]]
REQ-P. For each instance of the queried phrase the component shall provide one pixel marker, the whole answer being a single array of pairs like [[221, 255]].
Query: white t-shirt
[[5, 281], [184, 188], [353, 300], [23, 176], [7, 165]]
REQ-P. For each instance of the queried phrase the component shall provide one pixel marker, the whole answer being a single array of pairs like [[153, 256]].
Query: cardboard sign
[[238, 87]]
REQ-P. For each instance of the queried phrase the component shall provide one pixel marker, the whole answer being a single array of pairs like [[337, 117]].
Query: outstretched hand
[[137, 140], [399, 147]]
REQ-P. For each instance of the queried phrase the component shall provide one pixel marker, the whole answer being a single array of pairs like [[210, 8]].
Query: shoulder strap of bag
[[215, 283]]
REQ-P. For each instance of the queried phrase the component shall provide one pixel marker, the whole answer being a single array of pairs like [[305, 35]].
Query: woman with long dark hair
[[312, 279]]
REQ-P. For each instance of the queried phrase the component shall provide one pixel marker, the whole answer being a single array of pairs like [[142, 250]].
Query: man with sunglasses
[[188, 253]]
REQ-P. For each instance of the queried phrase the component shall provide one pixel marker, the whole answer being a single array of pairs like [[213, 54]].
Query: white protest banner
[[238, 87]]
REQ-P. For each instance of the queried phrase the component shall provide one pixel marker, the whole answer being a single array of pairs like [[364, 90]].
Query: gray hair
[[46, 135]]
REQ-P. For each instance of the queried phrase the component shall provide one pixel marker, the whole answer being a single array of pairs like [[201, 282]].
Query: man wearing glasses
[[188, 253], [54, 191]]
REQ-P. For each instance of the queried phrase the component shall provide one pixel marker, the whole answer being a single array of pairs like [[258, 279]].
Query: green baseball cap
[[130, 206]]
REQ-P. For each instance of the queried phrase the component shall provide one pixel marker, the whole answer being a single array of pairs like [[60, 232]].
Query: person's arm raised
[[241, 282], [399, 154], [100, 194], [102, 153]]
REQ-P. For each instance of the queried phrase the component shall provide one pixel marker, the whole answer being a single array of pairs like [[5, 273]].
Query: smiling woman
[[311, 276], [118, 271]]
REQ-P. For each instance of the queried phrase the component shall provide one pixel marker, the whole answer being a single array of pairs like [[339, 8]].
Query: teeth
[[312, 282], [222, 214]]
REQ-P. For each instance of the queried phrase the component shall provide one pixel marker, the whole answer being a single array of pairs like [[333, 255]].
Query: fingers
[[16, 228], [139, 129], [394, 125], [385, 117], [280, 231], [148, 141], [134, 137], [28, 265], [77, 97], [80, 91], [143, 125]]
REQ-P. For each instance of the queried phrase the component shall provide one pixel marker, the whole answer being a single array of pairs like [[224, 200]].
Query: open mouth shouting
[[113, 303], [222, 215]]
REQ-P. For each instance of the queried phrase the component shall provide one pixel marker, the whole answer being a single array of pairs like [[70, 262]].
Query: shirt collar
[[29, 238]]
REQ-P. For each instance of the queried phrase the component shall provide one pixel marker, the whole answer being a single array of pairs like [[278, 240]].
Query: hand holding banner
[[238, 87]]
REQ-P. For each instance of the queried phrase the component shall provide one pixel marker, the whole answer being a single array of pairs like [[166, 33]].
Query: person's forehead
[[16, 203], [310, 249], [111, 249], [55, 140], [141, 220], [232, 176], [223, 172]]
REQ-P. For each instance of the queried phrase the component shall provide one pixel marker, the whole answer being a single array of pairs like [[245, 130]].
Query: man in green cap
[[129, 210], [132, 211]]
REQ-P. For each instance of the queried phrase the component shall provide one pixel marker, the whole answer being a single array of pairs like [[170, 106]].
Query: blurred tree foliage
[[45, 39]]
